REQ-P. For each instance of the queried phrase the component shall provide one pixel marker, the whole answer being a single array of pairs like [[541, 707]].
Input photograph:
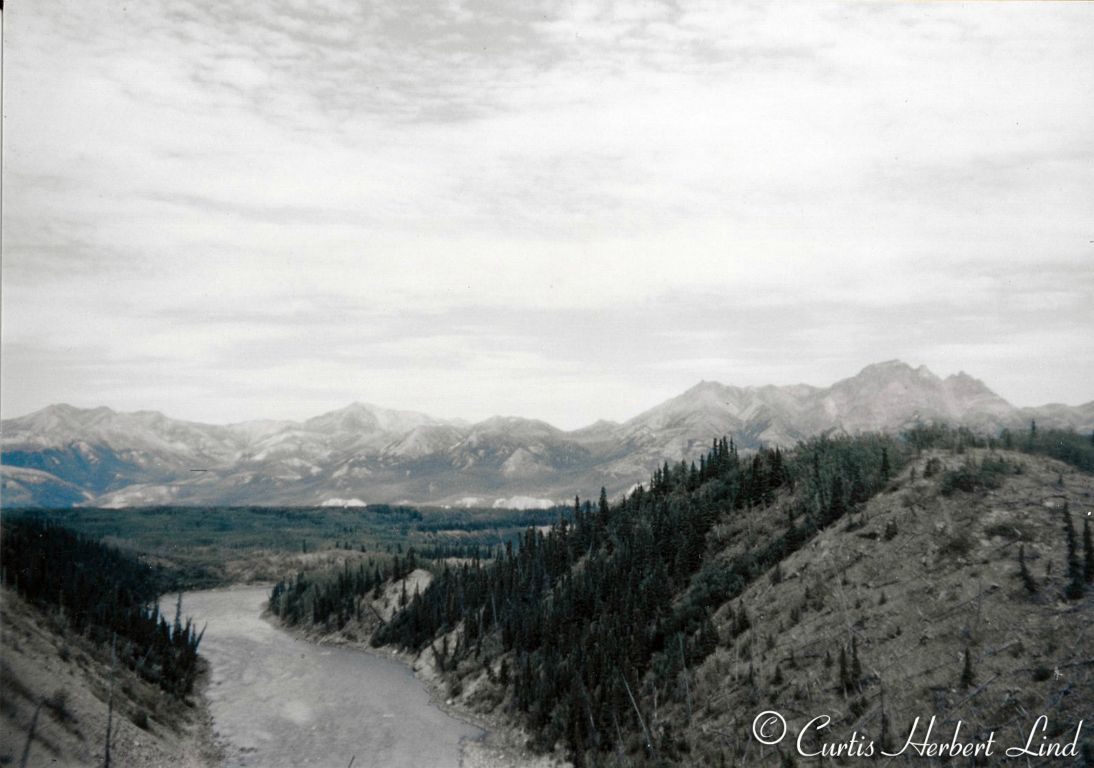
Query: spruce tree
[[856, 666], [844, 682], [885, 741], [708, 636], [837, 505], [1023, 571], [741, 623], [1076, 582], [602, 510], [1088, 551], [967, 677]]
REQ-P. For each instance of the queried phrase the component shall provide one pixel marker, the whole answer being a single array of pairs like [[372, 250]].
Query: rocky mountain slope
[[63, 456], [906, 590]]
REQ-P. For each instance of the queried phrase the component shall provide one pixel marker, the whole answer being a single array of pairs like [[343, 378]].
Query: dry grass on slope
[[910, 585], [44, 663]]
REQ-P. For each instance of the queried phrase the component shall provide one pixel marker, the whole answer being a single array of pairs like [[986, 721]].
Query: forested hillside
[[586, 622], [103, 593], [619, 636]]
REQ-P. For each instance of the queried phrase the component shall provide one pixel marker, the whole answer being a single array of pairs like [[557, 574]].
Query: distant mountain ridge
[[64, 456]]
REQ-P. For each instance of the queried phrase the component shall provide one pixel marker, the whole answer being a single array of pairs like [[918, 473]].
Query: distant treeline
[[331, 598], [1064, 445], [103, 593], [194, 538], [486, 519], [459, 551], [440, 551]]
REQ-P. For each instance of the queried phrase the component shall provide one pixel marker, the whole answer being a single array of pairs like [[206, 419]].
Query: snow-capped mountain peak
[[64, 454]]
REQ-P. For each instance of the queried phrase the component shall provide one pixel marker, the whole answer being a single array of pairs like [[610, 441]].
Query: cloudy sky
[[563, 210]]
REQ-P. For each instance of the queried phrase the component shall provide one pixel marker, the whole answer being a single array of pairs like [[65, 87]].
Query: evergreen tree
[[741, 621], [1076, 580], [967, 677], [1088, 551], [708, 636], [1023, 571], [844, 674], [856, 667], [602, 510], [885, 740], [837, 505]]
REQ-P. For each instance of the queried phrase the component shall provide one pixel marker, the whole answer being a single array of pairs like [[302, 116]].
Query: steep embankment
[[908, 587], [44, 663]]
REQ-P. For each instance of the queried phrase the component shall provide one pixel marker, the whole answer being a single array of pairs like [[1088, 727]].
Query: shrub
[[890, 531], [1013, 531], [971, 476], [959, 545], [57, 704]]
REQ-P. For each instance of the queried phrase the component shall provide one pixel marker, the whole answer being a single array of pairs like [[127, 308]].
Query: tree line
[[332, 598]]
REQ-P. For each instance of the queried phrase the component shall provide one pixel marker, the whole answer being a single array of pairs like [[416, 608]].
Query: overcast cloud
[[561, 210]]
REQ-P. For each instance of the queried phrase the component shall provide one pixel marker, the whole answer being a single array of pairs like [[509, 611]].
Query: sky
[[560, 210]]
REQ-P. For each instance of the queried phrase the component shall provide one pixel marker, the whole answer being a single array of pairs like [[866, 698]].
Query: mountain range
[[64, 456]]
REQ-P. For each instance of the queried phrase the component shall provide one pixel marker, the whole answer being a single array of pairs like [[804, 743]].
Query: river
[[280, 701]]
